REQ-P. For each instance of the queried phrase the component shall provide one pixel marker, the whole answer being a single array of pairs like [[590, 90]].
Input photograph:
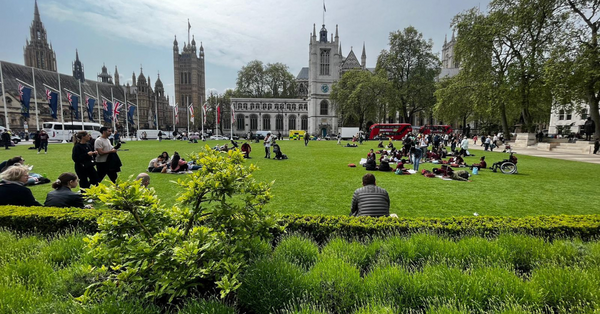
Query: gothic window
[[270, 106], [240, 122], [324, 108], [292, 122], [251, 106], [304, 122], [181, 78], [245, 106], [279, 122], [227, 122], [264, 106], [324, 62], [561, 115], [39, 35], [266, 122], [253, 122], [289, 106], [294, 107]]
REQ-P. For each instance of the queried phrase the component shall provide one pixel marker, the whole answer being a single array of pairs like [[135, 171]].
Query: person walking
[[589, 127], [267, 143], [83, 155], [105, 149], [43, 141], [6, 139]]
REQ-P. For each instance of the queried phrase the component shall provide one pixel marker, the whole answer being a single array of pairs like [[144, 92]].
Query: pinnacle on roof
[[193, 41], [36, 13], [175, 41], [363, 52]]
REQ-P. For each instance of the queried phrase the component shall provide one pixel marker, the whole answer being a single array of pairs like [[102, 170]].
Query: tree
[[224, 101], [411, 68], [358, 94], [574, 67], [273, 81]]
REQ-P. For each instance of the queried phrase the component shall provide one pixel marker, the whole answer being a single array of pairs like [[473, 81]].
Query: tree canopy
[[274, 80]]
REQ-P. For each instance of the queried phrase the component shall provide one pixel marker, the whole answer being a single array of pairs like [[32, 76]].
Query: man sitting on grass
[[370, 200]]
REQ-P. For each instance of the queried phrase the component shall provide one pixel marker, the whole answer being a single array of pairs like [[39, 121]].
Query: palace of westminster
[[312, 110]]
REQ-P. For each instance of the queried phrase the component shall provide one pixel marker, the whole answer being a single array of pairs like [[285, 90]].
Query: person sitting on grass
[[481, 165], [12, 187], [62, 196], [178, 164], [145, 179], [371, 155], [246, 149], [380, 145], [370, 200], [157, 164]]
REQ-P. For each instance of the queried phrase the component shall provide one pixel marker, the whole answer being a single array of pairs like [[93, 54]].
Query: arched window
[[253, 122], [304, 122], [266, 122], [292, 122], [245, 106], [240, 122], [279, 122], [324, 108], [227, 121]]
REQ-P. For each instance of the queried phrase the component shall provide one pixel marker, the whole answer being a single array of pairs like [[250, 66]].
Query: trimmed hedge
[[321, 228]]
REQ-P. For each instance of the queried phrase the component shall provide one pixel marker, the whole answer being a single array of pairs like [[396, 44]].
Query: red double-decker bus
[[435, 129], [397, 131]]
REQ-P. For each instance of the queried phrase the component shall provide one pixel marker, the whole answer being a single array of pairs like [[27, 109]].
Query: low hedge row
[[320, 228]]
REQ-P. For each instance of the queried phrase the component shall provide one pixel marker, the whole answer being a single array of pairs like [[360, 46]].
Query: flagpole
[[174, 113], [112, 100], [62, 118], [203, 117], [37, 117], [4, 98], [80, 105], [156, 109], [187, 109], [138, 113], [98, 101], [231, 124], [217, 116], [126, 113]]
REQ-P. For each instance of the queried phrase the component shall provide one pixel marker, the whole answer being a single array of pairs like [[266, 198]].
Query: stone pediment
[[351, 62]]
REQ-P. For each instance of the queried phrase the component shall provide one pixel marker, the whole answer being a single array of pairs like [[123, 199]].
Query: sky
[[134, 34]]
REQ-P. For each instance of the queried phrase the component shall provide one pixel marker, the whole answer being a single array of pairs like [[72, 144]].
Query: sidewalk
[[533, 151]]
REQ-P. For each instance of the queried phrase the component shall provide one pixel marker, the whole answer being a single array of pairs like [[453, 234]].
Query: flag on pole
[[117, 110], [130, 113], [52, 103], [74, 104], [25, 98], [107, 108], [176, 109], [189, 25], [232, 115], [191, 108], [324, 9], [90, 102], [205, 110], [218, 113]]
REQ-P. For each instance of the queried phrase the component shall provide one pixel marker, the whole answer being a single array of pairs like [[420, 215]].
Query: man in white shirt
[[464, 146], [267, 142], [104, 148]]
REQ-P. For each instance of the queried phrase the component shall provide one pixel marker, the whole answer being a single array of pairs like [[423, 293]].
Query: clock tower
[[324, 69]]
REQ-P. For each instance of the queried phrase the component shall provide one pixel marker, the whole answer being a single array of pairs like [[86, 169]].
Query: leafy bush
[[162, 253], [297, 250], [270, 284], [206, 307], [376, 309], [355, 253], [566, 288]]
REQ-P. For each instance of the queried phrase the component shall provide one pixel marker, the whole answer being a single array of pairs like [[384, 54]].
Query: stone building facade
[[190, 80], [37, 52]]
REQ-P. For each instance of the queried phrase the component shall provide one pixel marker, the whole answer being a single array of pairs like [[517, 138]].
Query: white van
[[58, 131], [151, 134]]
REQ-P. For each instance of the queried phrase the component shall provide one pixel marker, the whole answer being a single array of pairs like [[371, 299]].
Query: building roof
[[351, 62], [12, 71], [303, 75]]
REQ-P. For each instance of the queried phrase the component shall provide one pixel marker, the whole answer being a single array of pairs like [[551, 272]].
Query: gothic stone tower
[[78, 68], [189, 78], [37, 52], [323, 70]]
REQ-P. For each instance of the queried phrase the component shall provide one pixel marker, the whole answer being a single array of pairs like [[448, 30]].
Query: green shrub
[[304, 308], [270, 284], [391, 284], [206, 307], [376, 309], [297, 250], [159, 253], [335, 284], [524, 252], [63, 249]]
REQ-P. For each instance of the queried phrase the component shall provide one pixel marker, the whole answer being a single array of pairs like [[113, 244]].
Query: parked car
[[219, 137], [15, 138]]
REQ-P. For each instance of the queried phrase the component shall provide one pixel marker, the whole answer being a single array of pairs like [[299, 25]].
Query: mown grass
[[317, 180]]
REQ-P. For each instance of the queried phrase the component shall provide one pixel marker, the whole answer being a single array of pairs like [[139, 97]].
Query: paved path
[[533, 151]]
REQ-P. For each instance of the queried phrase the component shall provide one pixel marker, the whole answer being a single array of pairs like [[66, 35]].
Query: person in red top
[[246, 149], [43, 141]]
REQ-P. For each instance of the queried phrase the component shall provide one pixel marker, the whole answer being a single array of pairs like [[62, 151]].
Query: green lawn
[[317, 180]]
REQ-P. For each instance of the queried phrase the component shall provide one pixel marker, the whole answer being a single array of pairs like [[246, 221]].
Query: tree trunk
[[593, 104], [504, 121]]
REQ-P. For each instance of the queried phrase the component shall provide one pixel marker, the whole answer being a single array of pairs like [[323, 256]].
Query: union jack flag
[[205, 110], [21, 91], [117, 110], [191, 108], [104, 105], [176, 108], [48, 94], [70, 99]]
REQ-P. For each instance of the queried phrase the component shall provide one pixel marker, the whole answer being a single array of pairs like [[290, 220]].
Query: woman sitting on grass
[[62, 196], [12, 187], [178, 164]]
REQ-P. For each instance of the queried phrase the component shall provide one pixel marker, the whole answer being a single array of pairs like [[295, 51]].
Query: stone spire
[[116, 76], [336, 32], [363, 57]]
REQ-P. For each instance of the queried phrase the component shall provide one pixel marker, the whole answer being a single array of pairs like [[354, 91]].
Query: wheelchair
[[506, 166]]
